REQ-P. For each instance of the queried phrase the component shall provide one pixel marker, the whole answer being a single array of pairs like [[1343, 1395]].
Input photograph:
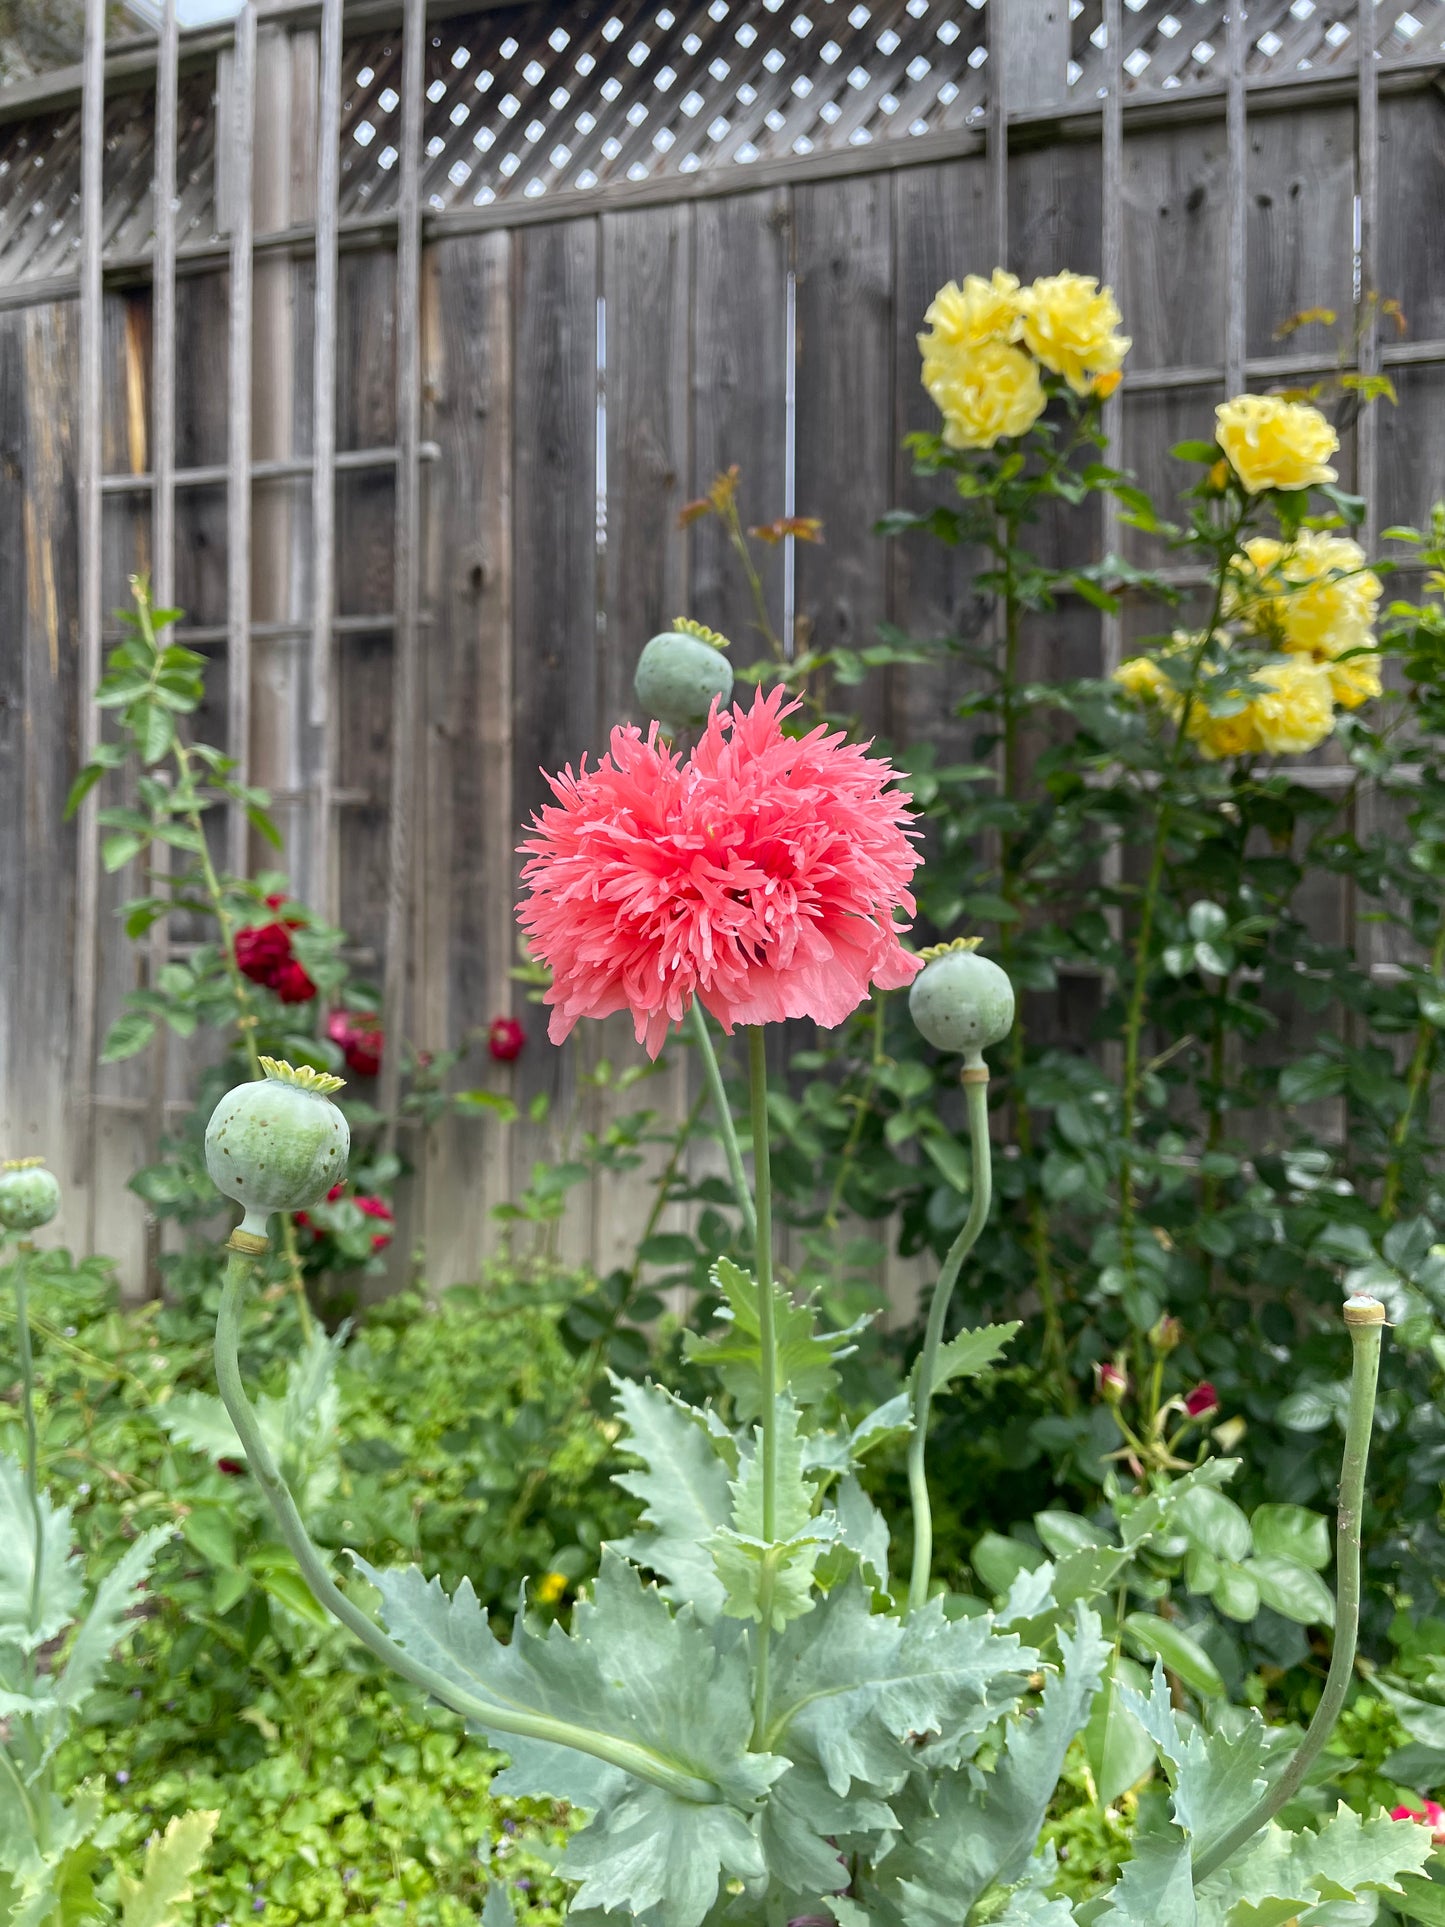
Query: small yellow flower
[[1071, 324], [1273, 443], [1218, 475], [1142, 677], [1296, 711], [1104, 385], [973, 315], [1314, 597], [983, 393], [550, 1588], [1355, 681]]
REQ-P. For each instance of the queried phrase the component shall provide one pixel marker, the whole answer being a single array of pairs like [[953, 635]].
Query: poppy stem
[[712, 1070], [1365, 1320], [768, 1350], [976, 1095]]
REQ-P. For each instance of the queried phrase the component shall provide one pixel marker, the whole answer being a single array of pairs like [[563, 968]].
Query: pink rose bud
[[505, 1038], [1111, 1382], [1201, 1400], [1433, 1817]]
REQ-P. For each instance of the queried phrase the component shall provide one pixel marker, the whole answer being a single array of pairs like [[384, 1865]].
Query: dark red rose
[[1201, 1400], [377, 1208], [261, 952], [360, 1038], [291, 984], [233, 1468], [505, 1039]]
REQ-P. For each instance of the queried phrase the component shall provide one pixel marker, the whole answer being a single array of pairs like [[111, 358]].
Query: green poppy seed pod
[[278, 1144], [960, 1001], [679, 675], [29, 1194]]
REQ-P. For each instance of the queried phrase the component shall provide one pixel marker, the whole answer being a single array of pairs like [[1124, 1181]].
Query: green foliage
[[768, 1737]]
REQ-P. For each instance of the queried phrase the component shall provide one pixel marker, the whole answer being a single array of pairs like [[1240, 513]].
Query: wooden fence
[[392, 345]]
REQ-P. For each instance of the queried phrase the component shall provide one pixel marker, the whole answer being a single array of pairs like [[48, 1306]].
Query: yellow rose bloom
[[983, 393], [1071, 324], [1355, 681], [1220, 736], [1141, 676], [1295, 712], [978, 312], [1272, 443], [1314, 597]]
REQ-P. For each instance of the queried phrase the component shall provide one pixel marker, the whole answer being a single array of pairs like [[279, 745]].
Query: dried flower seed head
[[29, 1194], [278, 1144]]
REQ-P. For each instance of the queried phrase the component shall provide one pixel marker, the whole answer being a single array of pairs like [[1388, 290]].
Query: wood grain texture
[[740, 356], [941, 233], [843, 261], [555, 593], [468, 821], [646, 277]]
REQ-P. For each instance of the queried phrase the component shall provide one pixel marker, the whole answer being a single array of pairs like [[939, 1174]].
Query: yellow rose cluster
[[1286, 708], [1315, 600], [989, 343]]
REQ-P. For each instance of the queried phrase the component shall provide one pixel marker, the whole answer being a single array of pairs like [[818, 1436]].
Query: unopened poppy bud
[[1201, 1401], [278, 1144], [960, 1001], [681, 673], [29, 1194], [1111, 1381]]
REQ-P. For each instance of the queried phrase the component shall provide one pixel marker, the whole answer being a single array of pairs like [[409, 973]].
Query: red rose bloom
[[264, 954], [1201, 1400], [233, 1468], [505, 1038], [360, 1038], [377, 1208]]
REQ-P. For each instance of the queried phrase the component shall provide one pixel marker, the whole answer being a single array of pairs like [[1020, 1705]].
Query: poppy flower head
[[761, 875]]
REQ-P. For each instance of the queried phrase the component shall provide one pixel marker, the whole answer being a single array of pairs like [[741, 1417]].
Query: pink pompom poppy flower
[[761, 876]]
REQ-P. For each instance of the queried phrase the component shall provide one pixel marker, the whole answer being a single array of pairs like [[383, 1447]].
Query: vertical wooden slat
[[997, 132], [408, 536], [87, 881], [1236, 171], [323, 456], [1367, 425], [468, 822], [554, 547], [163, 520], [1112, 240], [740, 351], [843, 261], [238, 484]]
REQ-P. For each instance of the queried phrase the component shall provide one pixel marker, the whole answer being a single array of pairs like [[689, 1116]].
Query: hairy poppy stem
[[976, 1094], [1365, 1319], [32, 1433], [712, 1070], [768, 1348], [244, 1250]]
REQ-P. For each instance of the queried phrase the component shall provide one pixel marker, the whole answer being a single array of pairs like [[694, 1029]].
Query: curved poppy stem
[[1365, 1320], [976, 1093], [631, 1757]]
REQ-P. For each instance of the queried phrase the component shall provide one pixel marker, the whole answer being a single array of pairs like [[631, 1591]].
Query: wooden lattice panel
[[1172, 44], [521, 105], [40, 180]]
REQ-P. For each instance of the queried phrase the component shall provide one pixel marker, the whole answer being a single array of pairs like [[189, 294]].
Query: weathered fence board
[[691, 314]]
